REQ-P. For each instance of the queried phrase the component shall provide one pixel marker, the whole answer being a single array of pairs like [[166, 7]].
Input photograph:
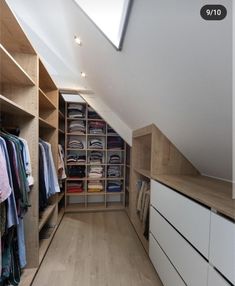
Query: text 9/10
[[213, 12]]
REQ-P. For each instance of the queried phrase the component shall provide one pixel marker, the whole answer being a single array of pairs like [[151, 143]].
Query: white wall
[[175, 70]]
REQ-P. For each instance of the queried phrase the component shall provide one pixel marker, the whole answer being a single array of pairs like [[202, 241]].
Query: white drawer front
[[215, 279], [190, 264], [164, 268], [189, 218], [222, 246]]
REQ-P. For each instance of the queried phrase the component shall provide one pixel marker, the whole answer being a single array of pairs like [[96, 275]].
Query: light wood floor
[[96, 249]]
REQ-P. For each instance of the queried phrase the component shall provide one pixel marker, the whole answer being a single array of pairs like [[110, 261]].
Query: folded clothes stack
[[114, 172], [110, 130], [76, 110], [115, 142], [96, 157], [114, 159], [75, 144], [77, 126], [76, 171], [114, 187], [97, 127], [92, 114], [75, 158], [96, 143], [95, 186], [75, 187], [95, 172]]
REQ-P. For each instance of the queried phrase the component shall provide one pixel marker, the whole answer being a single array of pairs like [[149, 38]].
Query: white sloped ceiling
[[175, 70]]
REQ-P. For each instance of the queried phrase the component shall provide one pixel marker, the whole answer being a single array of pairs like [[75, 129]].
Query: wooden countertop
[[213, 193]]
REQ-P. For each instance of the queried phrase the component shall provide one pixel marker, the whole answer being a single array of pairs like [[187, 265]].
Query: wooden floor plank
[[96, 249]]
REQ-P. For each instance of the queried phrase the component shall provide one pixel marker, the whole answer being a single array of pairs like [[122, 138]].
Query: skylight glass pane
[[110, 16]]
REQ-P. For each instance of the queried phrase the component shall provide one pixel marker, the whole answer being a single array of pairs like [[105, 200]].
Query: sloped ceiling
[[175, 70]]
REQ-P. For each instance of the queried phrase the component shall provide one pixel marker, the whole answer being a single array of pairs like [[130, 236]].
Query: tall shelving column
[[61, 141], [19, 108], [75, 200], [48, 131], [93, 201]]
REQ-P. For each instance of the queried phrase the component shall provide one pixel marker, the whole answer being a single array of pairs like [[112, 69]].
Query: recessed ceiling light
[[83, 74], [78, 40]]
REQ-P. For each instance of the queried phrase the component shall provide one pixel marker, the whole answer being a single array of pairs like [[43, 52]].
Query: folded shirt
[[114, 171], [114, 186], [75, 144], [115, 142], [75, 158], [96, 143], [75, 187], [76, 171], [95, 186], [114, 159]]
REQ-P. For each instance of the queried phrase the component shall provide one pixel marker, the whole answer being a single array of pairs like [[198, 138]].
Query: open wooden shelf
[[115, 193], [61, 115], [143, 172], [75, 194], [27, 276], [7, 106], [44, 244], [45, 216], [61, 131], [45, 102], [11, 72], [44, 124], [60, 197], [46, 83]]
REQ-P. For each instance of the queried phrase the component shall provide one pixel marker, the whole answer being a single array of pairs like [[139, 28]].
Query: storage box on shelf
[[98, 157]]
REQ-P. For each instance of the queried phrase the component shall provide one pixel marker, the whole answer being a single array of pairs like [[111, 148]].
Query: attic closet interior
[[63, 158]]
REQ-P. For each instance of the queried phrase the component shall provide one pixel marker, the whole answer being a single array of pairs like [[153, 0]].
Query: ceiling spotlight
[[83, 74], [78, 40]]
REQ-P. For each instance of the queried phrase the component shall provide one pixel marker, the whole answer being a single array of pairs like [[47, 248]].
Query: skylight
[[110, 16]]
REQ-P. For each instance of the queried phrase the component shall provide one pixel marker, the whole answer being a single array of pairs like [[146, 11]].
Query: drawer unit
[[164, 268], [222, 246], [191, 266], [215, 279], [191, 219]]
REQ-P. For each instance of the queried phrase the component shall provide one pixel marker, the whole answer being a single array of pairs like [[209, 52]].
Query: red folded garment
[[75, 190]]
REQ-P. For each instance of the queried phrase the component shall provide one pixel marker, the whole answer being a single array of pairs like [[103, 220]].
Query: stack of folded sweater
[[96, 157], [115, 142], [77, 126], [76, 110], [114, 172], [95, 186], [75, 187], [95, 172], [76, 158], [114, 187], [92, 114], [96, 143], [75, 144], [76, 171], [114, 159], [97, 127]]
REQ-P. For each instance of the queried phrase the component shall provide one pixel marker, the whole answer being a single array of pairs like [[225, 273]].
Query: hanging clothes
[[16, 179], [48, 180], [61, 165]]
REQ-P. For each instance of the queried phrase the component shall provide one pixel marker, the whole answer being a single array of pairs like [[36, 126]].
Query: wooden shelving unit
[[29, 100], [19, 108], [152, 154], [104, 200]]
